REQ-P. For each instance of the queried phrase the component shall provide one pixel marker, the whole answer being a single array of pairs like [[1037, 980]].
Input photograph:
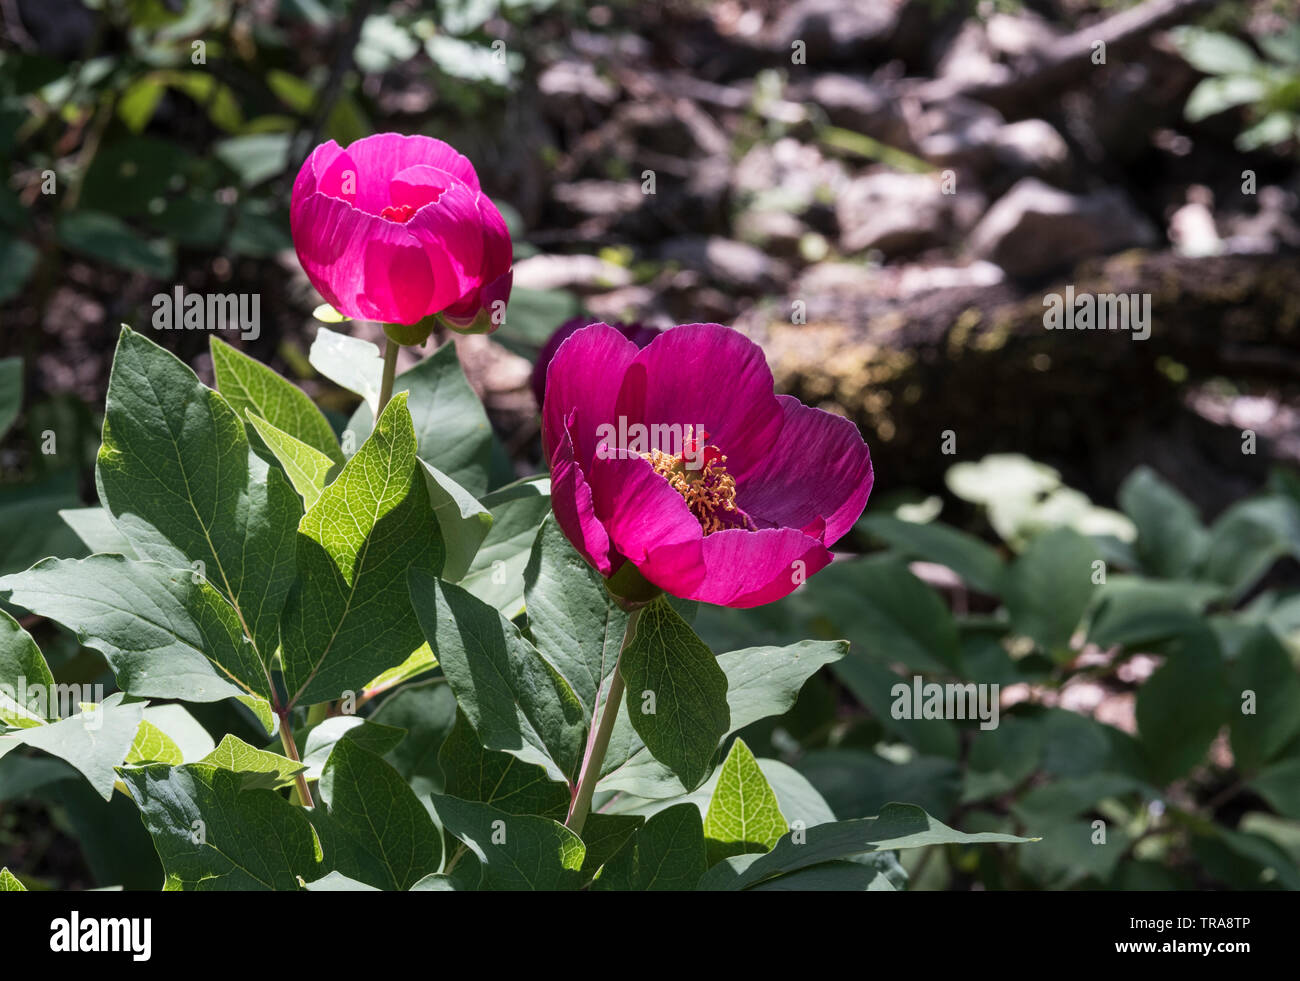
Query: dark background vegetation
[[781, 185]]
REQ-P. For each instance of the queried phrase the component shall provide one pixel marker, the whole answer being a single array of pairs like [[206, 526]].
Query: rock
[[856, 103], [725, 261], [576, 272], [957, 130], [568, 85], [837, 30], [894, 213], [1035, 229], [1031, 147], [788, 175], [775, 232]]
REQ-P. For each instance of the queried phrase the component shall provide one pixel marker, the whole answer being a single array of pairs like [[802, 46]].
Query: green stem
[[598, 743], [301, 791], [391, 347]]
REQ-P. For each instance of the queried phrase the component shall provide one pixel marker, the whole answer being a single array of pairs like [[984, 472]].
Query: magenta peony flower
[[395, 228], [638, 334], [679, 459]]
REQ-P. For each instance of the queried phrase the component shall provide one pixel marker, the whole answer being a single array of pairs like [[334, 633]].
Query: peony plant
[[433, 679]]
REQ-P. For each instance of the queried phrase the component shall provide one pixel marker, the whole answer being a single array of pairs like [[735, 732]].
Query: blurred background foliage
[[150, 143]]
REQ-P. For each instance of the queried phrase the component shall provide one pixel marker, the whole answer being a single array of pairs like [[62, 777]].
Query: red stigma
[[400, 213]]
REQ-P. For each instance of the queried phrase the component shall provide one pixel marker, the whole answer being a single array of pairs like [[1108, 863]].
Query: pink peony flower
[[395, 229], [638, 334], [737, 514]]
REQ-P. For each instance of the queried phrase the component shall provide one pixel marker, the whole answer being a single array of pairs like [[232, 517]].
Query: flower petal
[[448, 228], [711, 376], [750, 568], [820, 468], [648, 522], [585, 375], [572, 504]]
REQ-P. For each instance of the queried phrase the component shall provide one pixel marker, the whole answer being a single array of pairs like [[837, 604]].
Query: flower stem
[[391, 347], [301, 791], [598, 742]]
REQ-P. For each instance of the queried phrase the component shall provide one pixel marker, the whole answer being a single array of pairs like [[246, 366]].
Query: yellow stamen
[[708, 491]]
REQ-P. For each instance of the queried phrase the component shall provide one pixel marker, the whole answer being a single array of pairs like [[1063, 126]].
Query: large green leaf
[[676, 693], [351, 362], [1049, 586], [514, 698], [1248, 538], [761, 682], [451, 427], [259, 767], [94, 740], [1182, 707], [1171, 539], [176, 474], [212, 834], [496, 576], [666, 853], [1263, 668], [348, 617], [23, 674], [897, 826], [977, 563], [517, 851], [306, 467], [744, 815], [252, 388], [574, 622], [488, 776], [9, 882], [463, 521], [166, 633], [428, 714], [374, 829]]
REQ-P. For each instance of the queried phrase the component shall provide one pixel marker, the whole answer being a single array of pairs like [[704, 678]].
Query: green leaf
[[1279, 784], [897, 826], [254, 158], [575, 623], [23, 676], [1181, 707], [108, 239], [96, 530], [374, 737], [1049, 586], [306, 467], [259, 768], [212, 834], [473, 773], [761, 682], [1132, 610], [349, 362], [666, 853], [605, 835], [152, 745], [841, 876], [337, 882], [517, 851], [462, 520], [1248, 538], [348, 617], [166, 633], [1213, 52], [94, 740], [428, 714], [977, 563], [886, 613], [496, 576], [374, 829], [676, 693], [251, 387], [176, 474], [1263, 667], [513, 697], [9, 882], [18, 261], [1171, 539], [451, 426], [744, 815], [11, 391]]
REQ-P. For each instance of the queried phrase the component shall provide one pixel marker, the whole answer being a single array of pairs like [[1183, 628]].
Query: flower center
[[707, 488], [400, 213]]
